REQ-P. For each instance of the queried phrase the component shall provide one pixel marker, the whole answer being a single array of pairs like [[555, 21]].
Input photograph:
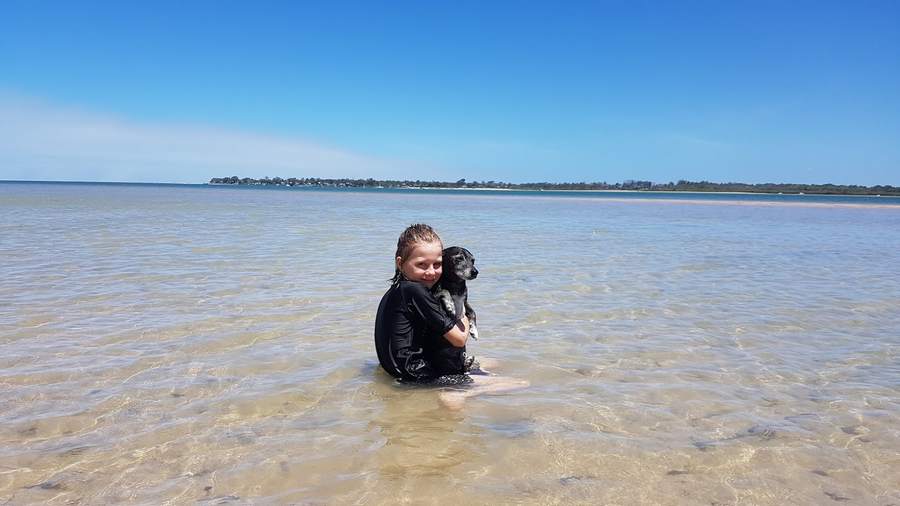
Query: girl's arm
[[459, 333], [428, 309]]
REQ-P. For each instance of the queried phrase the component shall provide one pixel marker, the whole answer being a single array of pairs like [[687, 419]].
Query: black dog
[[459, 267]]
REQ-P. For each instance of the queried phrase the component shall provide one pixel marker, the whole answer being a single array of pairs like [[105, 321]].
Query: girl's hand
[[459, 334]]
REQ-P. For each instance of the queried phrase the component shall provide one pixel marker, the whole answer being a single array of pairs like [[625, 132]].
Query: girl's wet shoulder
[[413, 289], [407, 285]]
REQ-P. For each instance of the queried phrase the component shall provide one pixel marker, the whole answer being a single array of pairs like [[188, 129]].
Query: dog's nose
[[474, 273]]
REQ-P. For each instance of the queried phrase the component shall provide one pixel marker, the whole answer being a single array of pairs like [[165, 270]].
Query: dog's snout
[[474, 272]]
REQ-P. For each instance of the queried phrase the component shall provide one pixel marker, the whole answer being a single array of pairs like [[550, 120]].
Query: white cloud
[[44, 141]]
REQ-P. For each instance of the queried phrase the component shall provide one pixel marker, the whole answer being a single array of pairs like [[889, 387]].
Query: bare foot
[[491, 384], [487, 363]]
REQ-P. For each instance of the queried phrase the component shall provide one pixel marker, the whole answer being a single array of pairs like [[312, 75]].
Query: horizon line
[[209, 183]]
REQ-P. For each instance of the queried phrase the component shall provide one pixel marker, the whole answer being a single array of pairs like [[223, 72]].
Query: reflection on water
[[214, 345]]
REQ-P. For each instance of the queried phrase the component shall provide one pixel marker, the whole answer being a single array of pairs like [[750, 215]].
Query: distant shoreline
[[656, 191], [644, 191], [686, 192], [629, 186]]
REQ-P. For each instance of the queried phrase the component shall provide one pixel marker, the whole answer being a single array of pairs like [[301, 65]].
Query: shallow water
[[210, 344]]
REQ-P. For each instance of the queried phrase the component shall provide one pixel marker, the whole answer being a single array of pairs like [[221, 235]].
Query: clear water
[[190, 343]]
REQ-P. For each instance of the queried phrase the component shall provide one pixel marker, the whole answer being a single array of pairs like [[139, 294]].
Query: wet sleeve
[[425, 306]]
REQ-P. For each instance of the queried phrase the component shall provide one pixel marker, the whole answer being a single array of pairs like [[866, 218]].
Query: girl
[[415, 339]]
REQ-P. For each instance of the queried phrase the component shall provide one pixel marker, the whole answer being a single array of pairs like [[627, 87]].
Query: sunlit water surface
[[207, 344]]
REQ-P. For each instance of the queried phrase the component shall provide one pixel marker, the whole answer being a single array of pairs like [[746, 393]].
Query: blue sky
[[515, 91]]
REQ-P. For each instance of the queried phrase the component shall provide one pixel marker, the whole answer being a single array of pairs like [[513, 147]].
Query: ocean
[[191, 343]]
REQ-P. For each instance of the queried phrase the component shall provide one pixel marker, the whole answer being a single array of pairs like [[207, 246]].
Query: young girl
[[416, 340]]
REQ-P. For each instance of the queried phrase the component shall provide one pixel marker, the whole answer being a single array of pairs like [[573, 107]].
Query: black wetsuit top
[[409, 335]]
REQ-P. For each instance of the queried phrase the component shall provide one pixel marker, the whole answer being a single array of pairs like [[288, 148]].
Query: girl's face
[[423, 264]]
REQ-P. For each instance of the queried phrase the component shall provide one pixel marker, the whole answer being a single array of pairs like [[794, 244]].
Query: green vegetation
[[682, 185]]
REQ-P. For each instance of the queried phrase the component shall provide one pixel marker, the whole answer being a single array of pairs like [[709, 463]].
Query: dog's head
[[459, 263]]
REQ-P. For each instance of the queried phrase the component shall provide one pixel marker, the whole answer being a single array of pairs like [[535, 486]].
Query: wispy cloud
[[44, 141]]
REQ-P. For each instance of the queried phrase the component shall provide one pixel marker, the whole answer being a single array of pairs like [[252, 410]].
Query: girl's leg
[[487, 363], [456, 399]]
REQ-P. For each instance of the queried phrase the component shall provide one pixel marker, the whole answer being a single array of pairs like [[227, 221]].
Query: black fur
[[451, 290]]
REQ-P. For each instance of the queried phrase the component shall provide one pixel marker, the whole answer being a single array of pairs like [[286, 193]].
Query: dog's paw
[[447, 301], [473, 332]]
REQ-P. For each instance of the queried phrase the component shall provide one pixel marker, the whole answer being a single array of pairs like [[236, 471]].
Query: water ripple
[[214, 345]]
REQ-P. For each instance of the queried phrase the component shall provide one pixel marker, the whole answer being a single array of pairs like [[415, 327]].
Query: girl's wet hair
[[419, 233]]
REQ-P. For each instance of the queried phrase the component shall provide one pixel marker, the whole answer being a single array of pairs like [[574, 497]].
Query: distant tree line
[[681, 185]]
